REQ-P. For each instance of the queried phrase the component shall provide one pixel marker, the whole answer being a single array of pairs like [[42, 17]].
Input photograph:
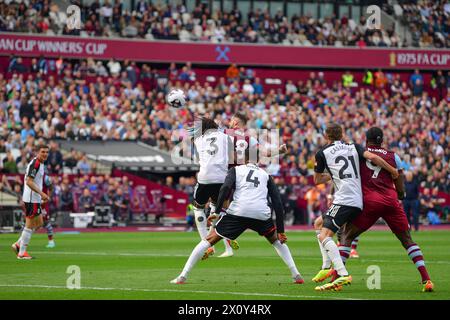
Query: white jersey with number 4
[[341, 160], [250, 194], [212, 149]]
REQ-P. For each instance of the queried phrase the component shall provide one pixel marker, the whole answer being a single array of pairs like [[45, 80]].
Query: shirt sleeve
[[360, 149], [398, 162], [33, 169], [319, 166], [227, 187], [275, 197]]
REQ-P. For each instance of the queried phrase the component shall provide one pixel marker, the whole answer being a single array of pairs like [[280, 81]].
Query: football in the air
[[176, 98]]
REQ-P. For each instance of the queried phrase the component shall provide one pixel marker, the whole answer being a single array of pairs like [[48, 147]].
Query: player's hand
[[211, 219], [282, 237], [283, 149], [329, 200], [44, 198], [395, 175]]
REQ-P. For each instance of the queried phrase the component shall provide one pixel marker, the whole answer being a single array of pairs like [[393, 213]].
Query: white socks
[[333, 253], [228, 248], [20, 239], [326, 262], [195, 256], [200, 221], [25, 239], [283, 251]]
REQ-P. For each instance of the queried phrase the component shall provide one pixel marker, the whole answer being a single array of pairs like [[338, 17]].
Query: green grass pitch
[[140, 265]]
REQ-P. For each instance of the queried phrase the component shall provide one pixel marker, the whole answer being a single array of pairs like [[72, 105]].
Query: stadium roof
[[131, 155]]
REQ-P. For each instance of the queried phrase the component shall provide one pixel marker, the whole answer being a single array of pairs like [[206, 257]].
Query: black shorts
[[231, 227], [32, 209], [339, 215], [203, 192]]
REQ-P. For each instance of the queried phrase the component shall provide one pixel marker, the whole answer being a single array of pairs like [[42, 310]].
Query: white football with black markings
[[176, 98]]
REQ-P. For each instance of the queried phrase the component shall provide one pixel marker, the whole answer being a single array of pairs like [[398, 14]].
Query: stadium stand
[[175, 21], [62, 104]]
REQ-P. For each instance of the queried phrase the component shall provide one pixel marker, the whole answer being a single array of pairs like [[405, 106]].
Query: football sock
[[326, 262], [200, 221], [415, 254], [227, 246], [355, 243], [20, 237], [333, 252], [213, 208], [195, 256], [26, 237], [345, 253], [283, 251], [49, 228]]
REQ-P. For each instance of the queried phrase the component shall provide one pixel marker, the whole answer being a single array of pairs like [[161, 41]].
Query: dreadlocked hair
[[201, 126]]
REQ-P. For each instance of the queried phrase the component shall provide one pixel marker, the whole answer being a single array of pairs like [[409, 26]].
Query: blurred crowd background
[[43, 98], [51, 99]]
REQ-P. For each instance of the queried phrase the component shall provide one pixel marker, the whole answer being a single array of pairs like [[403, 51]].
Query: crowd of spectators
[[61, 104], [174, 22], [17, 154], [81, 193], [429, 21]]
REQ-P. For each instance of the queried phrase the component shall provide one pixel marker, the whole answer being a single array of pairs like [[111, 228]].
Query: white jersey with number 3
[[341, 160], [250, 194], [212, 149]]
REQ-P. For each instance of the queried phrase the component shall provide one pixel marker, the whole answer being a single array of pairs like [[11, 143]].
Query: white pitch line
[[121, 254], [279, 295], [111, 254]]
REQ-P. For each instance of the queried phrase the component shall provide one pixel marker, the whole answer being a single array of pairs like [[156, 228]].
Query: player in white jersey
[[249, 209], [212, 148], [33, 197], [339, 162]]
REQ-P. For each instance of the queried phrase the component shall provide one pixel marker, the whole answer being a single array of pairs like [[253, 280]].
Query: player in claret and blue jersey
[[340, 162], [381, 194]]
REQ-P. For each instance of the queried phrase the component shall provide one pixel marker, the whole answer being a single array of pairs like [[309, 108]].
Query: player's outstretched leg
[[195, 256], [349, 232], [416, 256], [200, 221], [343, 278], [326, 271], [285, 254], [202, 225]]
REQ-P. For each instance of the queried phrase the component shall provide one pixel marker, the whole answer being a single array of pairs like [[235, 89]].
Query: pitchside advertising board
[[208, 53]]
